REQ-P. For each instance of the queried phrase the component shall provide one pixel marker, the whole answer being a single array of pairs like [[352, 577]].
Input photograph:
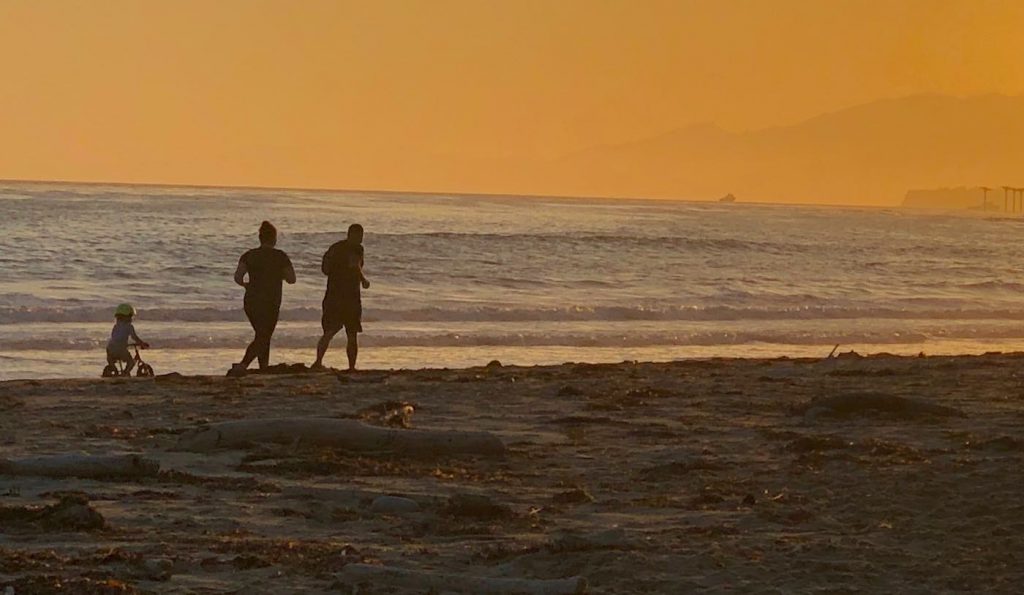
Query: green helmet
[[125, 310]]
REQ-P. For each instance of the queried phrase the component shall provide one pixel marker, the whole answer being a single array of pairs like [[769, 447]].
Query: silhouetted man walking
[[343, 265]]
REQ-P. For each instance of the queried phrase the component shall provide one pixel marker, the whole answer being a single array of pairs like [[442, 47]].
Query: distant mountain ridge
[[872, 154]]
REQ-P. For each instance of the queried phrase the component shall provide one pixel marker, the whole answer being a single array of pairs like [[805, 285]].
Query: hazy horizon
[[525, 98]]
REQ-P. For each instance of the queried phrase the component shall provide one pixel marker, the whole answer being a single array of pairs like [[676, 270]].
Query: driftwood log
[[341, 433], [128, 466], [424, 581]]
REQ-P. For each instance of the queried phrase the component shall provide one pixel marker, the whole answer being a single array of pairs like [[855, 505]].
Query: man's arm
[[241, 271], [362, 277], [325, 262]]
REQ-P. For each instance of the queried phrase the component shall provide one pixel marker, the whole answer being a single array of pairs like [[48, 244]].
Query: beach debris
[[8, 402], [680, 467], [396, 414], [863, 371], [169, 376], [818, 443], [569, 391], [342, 433], [1000, 444], [299, 368], [217, 482], [477, 506], [832, 353], [71, 513], [347, 377], [112, 432], [307, 556], [814, 448], [573, 496], [708, 497], [854, 404], [236, 371], [80, 585], [157, 569], [393, 505], [634, 397], [437, 582], [614, 538], [126, 466], [585, 369]]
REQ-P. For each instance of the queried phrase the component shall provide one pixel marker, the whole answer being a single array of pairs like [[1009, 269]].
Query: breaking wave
[[20, 315]]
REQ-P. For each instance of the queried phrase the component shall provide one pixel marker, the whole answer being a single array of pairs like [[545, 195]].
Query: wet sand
[[880, 474]]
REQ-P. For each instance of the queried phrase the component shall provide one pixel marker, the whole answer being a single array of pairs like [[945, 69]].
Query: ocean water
[[462, 280]]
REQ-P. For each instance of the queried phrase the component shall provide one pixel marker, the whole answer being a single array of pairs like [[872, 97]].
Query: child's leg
[[120, 355]]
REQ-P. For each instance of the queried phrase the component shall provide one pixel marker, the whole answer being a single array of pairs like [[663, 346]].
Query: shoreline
[[213, 362], [875, 473]]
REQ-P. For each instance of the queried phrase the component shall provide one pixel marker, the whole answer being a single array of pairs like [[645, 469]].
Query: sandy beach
[[880, 474]]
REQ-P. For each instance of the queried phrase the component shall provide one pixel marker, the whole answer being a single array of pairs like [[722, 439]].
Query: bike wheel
[[110, 371], [145, 371]]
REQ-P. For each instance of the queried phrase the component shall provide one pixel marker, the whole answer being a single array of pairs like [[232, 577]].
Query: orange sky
[[450, 95]]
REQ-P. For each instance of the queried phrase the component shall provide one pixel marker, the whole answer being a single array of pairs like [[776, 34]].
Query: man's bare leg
[[352, 349], [321, 347]]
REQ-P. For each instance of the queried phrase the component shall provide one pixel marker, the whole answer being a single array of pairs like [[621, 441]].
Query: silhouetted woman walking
[[266, 268]]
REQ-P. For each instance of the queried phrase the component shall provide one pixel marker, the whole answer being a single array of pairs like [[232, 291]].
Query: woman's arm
[[241, 271]]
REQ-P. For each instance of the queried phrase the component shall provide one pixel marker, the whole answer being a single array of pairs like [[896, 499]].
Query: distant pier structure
[[975, 198], [1013, 198]]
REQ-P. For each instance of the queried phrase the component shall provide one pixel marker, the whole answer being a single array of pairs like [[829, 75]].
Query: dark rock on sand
[[393, 505], [856, 404], [71, 513]]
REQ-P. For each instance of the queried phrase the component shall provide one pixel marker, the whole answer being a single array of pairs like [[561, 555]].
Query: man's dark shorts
[[338, 314]]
